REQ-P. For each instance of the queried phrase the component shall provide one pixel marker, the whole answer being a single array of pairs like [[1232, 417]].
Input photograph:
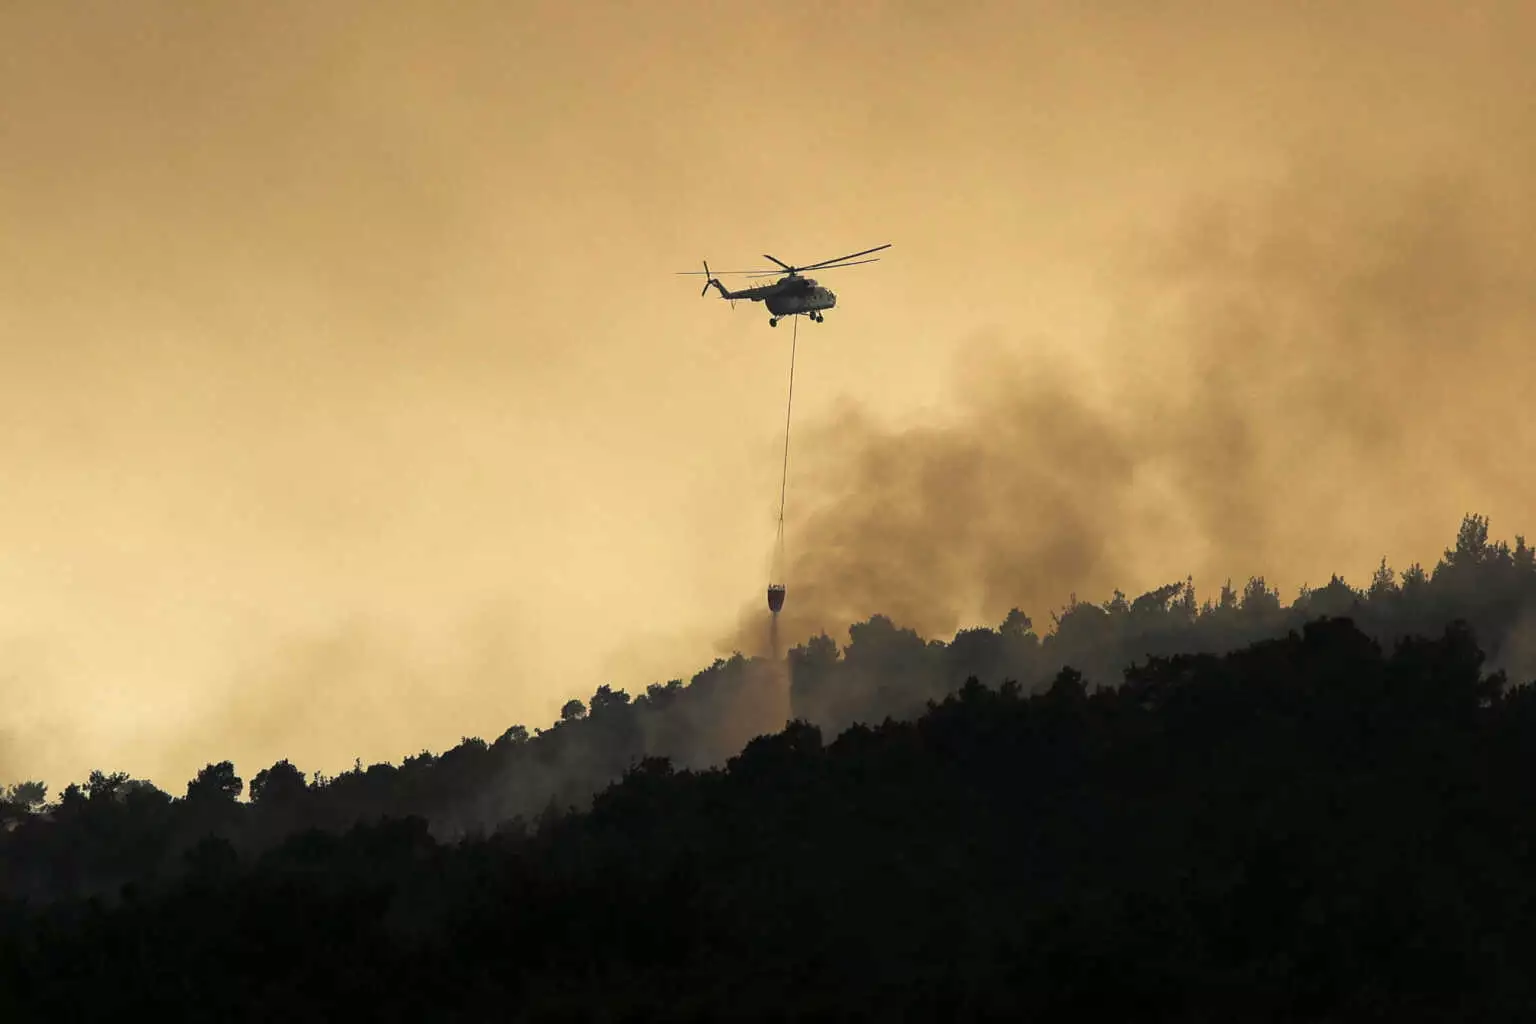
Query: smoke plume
[[1297, 384]]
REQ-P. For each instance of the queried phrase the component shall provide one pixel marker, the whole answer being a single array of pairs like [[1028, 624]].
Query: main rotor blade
[[829, 266], [839, 266], [850, 260], [823, 263]]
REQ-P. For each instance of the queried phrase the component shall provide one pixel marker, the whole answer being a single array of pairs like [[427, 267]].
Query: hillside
[[1309, 828], [113, 829]]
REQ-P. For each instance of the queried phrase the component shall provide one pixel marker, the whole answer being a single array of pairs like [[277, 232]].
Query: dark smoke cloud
[[1296, 385]]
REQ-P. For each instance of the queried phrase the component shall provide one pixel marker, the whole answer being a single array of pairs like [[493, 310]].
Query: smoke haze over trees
[[1280, 369], [887, 670], [289, 317], [1310, 828]]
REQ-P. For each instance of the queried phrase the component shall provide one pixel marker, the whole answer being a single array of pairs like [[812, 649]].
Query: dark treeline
[[1310, 828], [114, 829]]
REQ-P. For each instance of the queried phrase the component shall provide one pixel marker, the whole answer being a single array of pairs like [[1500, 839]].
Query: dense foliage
[[1304, 826], [113, 828], [1309, 828]]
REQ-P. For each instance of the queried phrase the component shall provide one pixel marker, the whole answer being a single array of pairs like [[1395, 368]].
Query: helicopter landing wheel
[[773, 321]]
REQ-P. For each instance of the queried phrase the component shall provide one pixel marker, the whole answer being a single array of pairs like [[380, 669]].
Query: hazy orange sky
[[349, 403]]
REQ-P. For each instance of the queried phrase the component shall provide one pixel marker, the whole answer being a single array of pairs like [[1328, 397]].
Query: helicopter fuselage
[[788, 296], [810, 300]]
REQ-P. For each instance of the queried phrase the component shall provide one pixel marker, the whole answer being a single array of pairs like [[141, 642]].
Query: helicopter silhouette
[[791, 294]]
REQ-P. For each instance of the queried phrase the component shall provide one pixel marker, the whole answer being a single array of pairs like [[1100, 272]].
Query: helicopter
[[791, 294]]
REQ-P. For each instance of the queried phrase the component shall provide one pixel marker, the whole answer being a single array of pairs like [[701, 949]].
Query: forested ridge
[[1233, 809]]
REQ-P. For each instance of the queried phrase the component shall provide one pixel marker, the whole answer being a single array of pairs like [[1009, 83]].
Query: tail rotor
[[708, 280]]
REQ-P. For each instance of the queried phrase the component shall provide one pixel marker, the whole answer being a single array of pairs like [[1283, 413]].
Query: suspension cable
[[784, 481]]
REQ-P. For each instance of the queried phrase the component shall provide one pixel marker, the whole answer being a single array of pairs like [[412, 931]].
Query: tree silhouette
[[280, 784], [1314, 826], [215, 784], [1239, 804]]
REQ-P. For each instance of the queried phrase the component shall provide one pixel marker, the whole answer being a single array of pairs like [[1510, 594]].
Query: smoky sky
[[349, 404], [1304, 382]]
